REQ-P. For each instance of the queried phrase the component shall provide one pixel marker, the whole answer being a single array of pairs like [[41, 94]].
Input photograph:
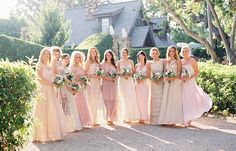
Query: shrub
[[17, 49], [219, 81], [101, 41], [18, 92]]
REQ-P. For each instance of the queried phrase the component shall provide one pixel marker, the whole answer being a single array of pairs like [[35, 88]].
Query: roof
[[82, 27], [108, 12], [139, 35]]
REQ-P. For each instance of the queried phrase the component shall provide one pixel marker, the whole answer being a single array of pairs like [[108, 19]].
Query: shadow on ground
[[207, 134]]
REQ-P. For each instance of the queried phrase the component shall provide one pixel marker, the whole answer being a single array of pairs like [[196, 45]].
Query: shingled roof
[[82, 27]]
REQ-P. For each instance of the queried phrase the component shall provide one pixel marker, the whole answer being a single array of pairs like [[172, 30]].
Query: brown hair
[[168, 51], [112, 57], [89, 57]]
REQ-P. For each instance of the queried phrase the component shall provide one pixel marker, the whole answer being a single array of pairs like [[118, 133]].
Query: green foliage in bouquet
[[18, 91]]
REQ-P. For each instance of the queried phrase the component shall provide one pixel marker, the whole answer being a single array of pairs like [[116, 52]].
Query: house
[[124, 19]]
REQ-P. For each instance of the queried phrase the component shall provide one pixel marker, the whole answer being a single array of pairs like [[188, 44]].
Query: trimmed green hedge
[[18, 90], [101, 41], [219, 81], [17, 49]]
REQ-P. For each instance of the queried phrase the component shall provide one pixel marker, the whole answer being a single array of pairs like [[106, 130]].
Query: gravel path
[[208, 134]]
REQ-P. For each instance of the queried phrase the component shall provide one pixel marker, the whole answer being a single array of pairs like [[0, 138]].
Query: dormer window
[[105, 25]]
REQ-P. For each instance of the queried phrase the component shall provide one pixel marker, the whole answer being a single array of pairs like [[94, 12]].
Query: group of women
[[115, 95]]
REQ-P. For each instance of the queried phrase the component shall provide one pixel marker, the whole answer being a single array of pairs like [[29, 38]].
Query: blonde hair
[[168, 51], [72, 59], [55, 49], [89, 58], [42, 53], [186, 48], [153, 49]]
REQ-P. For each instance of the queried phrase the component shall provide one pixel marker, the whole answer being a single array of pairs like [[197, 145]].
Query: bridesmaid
[[77, 69], [195, 100], [156, 66], [126, 89], [69, 104], [171, 106], [92, 65], [109, 89], [142, 88], [50, 124]]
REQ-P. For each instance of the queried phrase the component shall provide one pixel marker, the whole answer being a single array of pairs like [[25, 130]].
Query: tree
[[191, 18], [53, 28], [12, 26]]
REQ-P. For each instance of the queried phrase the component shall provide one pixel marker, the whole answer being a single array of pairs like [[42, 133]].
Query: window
[[105, 25]]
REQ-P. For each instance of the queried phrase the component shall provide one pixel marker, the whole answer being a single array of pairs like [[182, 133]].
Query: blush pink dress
[[195, 100], [109, 93], [48, 113], [142, 94], [81, 100]]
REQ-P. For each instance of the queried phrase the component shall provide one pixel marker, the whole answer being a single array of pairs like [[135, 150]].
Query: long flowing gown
[[109, 93], [50, 119], [127, 98], [81, 100], [94, 95], [142, 94], [195, 100], [69, 108], [156, 92], [171, 105]]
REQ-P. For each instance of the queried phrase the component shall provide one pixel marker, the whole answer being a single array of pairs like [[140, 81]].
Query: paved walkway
[[208, 134]]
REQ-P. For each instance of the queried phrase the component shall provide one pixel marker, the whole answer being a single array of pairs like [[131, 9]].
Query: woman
[[142, 88], [195, 100], [48, 113], [156, 68], [92, 65], [126, 89], [109, 90], [77, 69], [171, 106], [69, 104]]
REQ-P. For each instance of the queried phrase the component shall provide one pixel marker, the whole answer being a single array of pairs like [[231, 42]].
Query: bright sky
[[6, 6]]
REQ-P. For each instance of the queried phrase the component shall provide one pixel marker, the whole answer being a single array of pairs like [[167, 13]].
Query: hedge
[[18, 92], [17, 49], [101, 41], [219, 81]]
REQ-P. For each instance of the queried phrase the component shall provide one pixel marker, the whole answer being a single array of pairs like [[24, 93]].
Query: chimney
[[91, 6]]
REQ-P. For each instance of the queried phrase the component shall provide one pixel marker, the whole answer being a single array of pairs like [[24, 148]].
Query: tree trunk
[[178, 20], [231, 56], [209, 23]]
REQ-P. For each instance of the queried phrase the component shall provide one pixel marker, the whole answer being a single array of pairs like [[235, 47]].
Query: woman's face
[[108, 56], [77, 59], [56, 55], [46, 56], [172, 53], [141, 57], [155, 54], [66, 60], [124, 54], [185, 53], [93, 53]]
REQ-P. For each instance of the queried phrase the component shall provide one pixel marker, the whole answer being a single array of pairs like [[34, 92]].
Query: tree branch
[[232, 35], [178, 20]]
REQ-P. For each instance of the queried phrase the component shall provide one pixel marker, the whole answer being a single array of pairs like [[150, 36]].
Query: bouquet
[[112, 74], [156, 76], [185, 73], [170, 74], [139, 76], [75, 86], [69, 76], [84, 81], [59, 80], [126, 72], [99, 72]]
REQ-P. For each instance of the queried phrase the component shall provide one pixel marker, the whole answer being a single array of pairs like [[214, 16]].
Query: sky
[[6, 6]]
